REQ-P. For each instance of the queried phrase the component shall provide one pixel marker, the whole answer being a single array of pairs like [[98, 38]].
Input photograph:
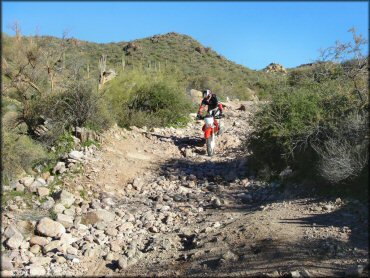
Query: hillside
[[198, 66]]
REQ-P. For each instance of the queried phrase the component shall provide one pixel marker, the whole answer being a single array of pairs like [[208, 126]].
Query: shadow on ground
[[255, 259], [267, 255], [222, 177]]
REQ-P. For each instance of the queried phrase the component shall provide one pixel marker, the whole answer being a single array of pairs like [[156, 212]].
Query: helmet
[[206, 93]]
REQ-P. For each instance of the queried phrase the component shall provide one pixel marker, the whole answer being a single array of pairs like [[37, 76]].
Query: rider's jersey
[[212, 102]]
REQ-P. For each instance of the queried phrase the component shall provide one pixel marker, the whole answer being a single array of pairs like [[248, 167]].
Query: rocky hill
[[151, 202], [197, 66]]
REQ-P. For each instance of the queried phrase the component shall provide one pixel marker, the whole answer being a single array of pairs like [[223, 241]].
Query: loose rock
[[38, 240], [36, 270], [49, 227]]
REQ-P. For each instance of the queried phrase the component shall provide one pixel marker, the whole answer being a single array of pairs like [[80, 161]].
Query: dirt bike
[[210, 131]]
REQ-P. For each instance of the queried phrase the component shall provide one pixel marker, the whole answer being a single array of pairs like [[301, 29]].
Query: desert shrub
[[79, 105], [19, 153], [301, 126], [344, 154], [148, 99], [282, 126]]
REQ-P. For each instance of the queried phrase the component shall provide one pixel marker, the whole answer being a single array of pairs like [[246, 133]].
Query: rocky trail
[[151, 202]]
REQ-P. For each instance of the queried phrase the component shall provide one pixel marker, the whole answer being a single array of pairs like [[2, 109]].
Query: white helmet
[[206, 93]]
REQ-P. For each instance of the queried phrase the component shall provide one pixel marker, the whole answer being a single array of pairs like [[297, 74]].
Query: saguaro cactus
[[102, 68], [123, 63]]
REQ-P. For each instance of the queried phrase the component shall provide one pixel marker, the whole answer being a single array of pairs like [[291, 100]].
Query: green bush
[[288, 119], [64, 143], [19, 154], [148, 99], [317, 124], [298, 128]]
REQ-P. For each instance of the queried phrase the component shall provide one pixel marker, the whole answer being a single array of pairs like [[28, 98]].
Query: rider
[[214, 106]]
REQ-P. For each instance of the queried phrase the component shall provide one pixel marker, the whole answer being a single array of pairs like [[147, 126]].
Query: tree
[[55, 60], [350, 58]]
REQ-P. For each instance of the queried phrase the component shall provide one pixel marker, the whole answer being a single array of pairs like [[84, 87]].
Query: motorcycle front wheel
[[211, 143]]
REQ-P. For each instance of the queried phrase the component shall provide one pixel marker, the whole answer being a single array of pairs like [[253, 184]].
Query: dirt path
[[194, 215]]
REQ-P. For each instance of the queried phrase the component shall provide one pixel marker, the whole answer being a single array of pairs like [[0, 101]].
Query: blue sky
[[253, 34]]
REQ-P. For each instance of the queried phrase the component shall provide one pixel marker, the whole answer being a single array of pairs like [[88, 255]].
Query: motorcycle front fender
[[207, 132]]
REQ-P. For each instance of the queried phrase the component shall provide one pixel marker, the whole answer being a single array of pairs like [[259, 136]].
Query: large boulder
[[131, 46], [58, 208], [53, 246], [202, 50], [49, 227], [40, 260], [26, 227], [109, 75], [67, 239]]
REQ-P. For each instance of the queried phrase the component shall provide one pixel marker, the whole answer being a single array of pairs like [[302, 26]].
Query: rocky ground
[[150, 202]]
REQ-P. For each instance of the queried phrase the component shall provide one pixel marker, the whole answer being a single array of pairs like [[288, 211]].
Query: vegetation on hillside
[[198, 67], [318, 122]]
